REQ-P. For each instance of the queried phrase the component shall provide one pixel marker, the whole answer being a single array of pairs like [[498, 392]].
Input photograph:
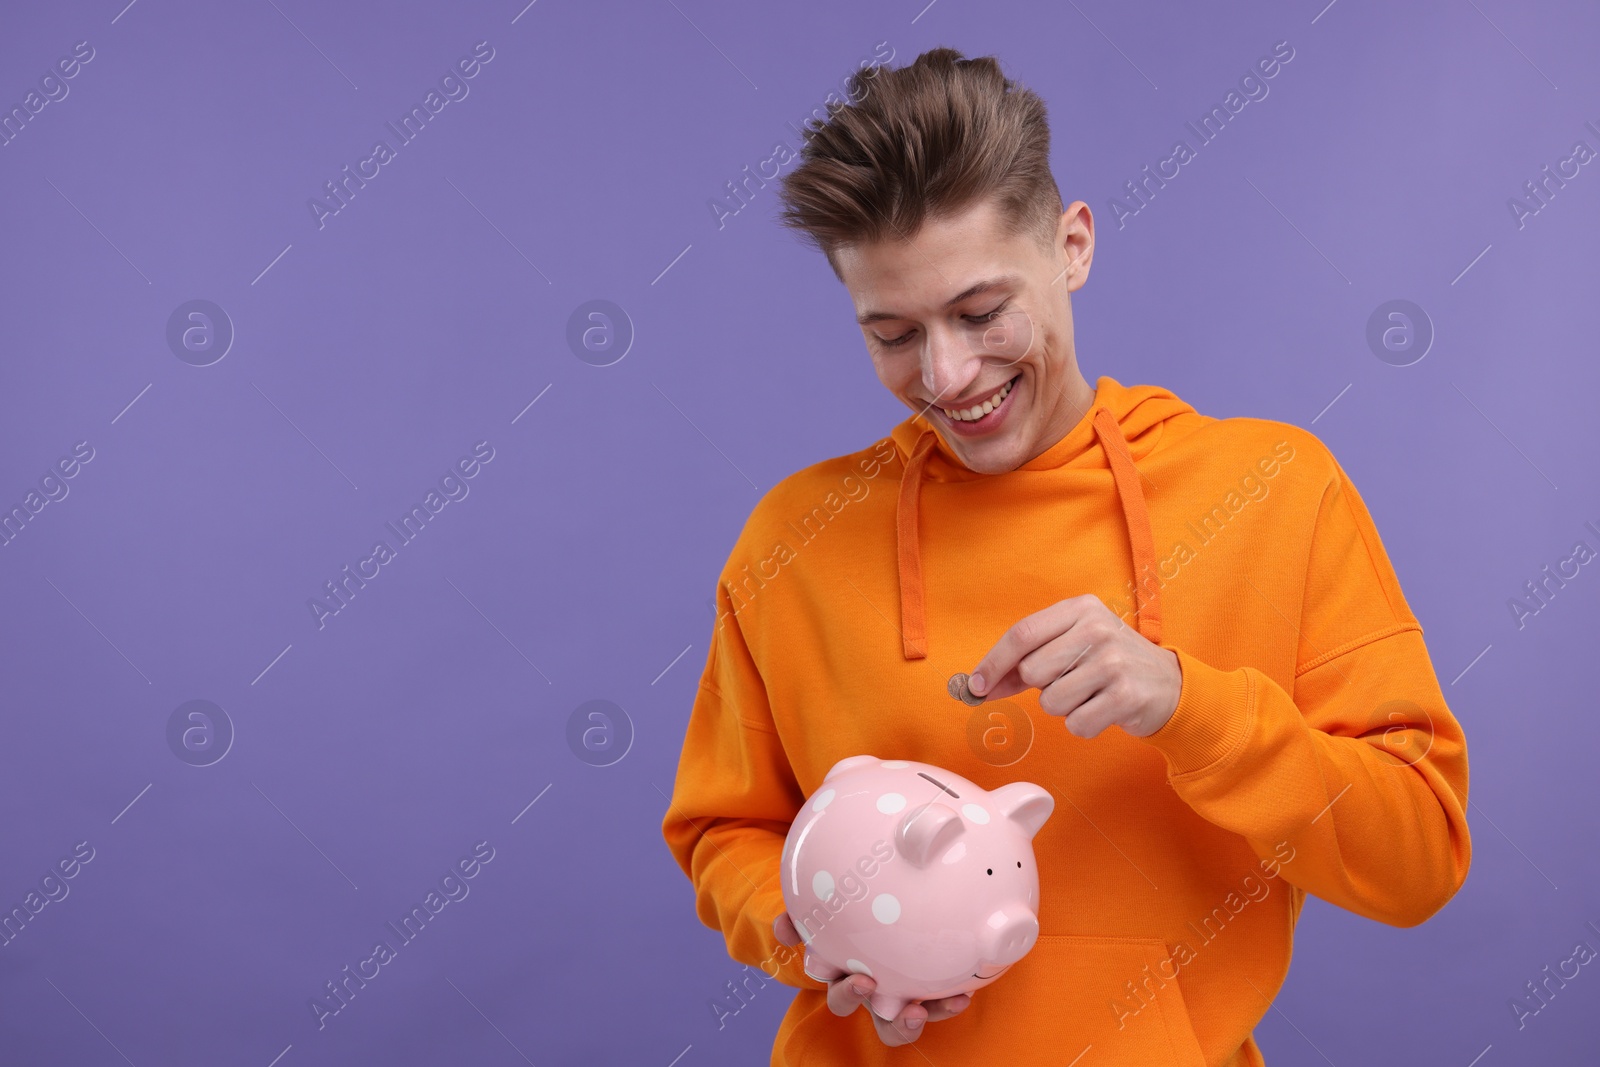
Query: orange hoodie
[[1311, 750]]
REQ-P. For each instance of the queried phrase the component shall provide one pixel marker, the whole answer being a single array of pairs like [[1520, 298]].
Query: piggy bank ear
[[926, 832], [848, 762], [1025, 804]]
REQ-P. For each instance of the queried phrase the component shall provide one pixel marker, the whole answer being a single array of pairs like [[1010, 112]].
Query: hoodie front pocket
[[1106, 999], [1085, 1001]]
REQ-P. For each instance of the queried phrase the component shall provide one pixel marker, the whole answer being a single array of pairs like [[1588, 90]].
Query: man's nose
[[948, 365]]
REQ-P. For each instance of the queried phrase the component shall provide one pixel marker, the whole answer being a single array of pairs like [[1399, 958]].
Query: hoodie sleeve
[[1361, 768], [732, 802]]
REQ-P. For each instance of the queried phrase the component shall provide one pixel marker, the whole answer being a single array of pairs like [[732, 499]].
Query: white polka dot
[[822, 884], [895, 764], [890, 803], [800, 928], [885, 908], [823, 799], [975, 812], [955, 852], [857, 967]]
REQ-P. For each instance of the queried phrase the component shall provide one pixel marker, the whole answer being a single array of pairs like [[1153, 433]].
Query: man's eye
[[987, 316]]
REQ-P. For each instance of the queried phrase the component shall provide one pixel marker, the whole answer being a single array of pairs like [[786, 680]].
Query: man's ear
[[1075, 240]]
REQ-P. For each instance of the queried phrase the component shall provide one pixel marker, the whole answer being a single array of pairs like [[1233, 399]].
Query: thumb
[[783, 928], [990, 688]]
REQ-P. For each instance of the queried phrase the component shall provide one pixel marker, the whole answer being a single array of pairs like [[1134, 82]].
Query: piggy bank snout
[[1009, 935]]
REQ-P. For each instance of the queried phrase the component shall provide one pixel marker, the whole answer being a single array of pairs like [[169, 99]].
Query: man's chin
[[988, 455]]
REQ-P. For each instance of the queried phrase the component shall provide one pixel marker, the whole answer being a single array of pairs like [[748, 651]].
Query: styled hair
[[919, 143]]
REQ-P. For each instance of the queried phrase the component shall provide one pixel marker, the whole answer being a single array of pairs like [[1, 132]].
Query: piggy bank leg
[[821, 969], [885, 1006]]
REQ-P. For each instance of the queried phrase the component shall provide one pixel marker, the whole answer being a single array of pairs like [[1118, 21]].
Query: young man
[[1250, 713]]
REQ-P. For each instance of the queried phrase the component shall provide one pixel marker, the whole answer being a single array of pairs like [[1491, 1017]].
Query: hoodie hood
[[1124, 424]]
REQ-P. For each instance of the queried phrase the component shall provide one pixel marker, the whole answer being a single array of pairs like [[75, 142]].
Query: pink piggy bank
[[914, 876]]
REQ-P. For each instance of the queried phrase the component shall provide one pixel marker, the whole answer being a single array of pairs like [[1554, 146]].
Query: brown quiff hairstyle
[[921, 142]]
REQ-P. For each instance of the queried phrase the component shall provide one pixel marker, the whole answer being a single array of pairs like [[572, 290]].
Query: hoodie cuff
[[1211, 719]]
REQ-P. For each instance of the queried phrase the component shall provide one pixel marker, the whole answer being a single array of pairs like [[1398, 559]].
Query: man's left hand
[[1088, 666]]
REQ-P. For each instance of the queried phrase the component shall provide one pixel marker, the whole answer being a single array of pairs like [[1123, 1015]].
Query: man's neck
[[1072, 405]]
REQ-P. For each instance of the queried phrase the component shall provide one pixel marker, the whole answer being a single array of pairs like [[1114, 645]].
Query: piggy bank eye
[[991, 870], [1019, 863]]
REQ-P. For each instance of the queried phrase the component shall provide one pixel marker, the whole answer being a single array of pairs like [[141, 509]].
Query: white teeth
[[980, 410]]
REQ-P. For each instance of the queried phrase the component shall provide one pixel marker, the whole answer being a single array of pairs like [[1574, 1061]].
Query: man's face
[[945, 349]]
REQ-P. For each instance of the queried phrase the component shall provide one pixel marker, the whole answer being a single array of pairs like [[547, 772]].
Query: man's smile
[[983, 415]]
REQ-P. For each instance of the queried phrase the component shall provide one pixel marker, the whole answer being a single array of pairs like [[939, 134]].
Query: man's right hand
[[850, 992]]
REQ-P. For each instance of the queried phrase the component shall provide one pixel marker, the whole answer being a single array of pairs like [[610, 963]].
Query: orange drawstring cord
[[1136, 516], [909, 549]]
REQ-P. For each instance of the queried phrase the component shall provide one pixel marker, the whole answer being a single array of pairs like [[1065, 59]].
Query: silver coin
[[958, 689]]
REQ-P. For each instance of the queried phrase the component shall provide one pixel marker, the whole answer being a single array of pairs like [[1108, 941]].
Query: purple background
[[373, 352]]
